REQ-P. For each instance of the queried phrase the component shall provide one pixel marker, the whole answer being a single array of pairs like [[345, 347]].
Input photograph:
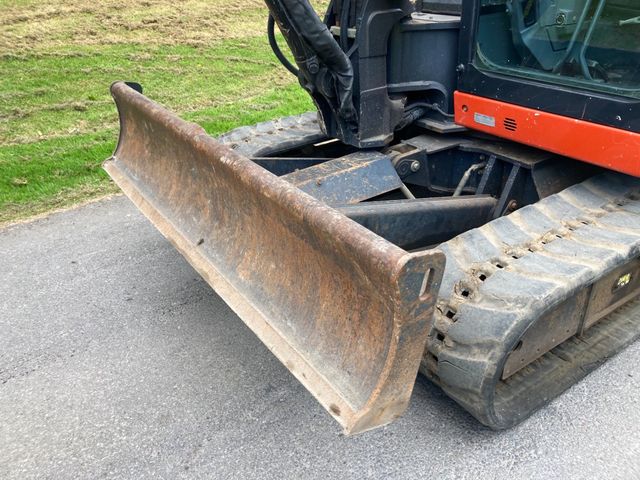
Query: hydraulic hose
[[431, 106], [308, 37], [276, 48]]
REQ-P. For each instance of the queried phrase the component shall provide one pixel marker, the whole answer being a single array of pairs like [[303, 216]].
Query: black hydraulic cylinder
[[422, 222]]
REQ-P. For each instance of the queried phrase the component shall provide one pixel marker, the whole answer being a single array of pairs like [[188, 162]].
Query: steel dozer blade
[[344, 310]]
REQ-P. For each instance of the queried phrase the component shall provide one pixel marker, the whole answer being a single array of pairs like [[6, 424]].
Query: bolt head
[[415, 166]]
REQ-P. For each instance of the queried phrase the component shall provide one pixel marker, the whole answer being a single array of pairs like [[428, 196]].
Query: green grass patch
[[58, 122], [40, 176]]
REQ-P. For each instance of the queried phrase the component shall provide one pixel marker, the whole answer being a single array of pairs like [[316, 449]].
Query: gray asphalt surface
[[118, 361]]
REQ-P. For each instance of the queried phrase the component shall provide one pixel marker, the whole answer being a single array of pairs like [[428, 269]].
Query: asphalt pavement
[[118, 361]]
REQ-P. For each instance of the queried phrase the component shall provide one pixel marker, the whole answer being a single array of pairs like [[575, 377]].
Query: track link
[[503, 277]]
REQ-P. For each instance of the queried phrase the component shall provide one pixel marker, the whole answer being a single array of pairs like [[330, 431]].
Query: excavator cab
[[573, 64], [464, 203]]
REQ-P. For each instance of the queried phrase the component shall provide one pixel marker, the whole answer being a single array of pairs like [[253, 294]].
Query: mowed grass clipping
[[208, 61]]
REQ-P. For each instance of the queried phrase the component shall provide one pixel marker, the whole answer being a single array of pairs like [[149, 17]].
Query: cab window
[[590, 44]]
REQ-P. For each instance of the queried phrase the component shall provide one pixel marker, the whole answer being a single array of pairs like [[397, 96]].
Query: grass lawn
[[208, 61]]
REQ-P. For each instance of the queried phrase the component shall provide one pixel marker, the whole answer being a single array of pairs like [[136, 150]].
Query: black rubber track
[[502, 277], [268, 139]]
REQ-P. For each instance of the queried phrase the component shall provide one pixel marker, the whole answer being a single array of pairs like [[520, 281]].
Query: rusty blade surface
[[344, 310]]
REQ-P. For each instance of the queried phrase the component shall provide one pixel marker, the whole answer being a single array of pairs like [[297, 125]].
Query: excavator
[[463, 205]]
